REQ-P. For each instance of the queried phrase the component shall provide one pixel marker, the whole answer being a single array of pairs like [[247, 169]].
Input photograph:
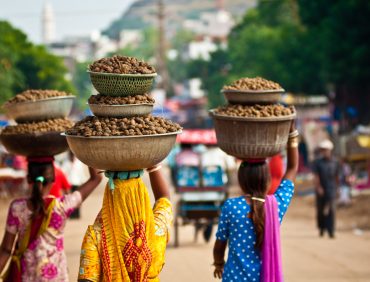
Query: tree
[[81, 81], [42, 70], [272, 42], [10, 76], [24, 65], [342, 33]]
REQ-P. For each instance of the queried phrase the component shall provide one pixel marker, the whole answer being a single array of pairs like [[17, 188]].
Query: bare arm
[[6, 249], [317, 184], [219, 258], [293, 156], [159, 184], [89, 186]]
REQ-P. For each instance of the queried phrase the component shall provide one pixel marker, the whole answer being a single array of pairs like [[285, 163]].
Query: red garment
[[276, 170], [20, 163], [60, 184]]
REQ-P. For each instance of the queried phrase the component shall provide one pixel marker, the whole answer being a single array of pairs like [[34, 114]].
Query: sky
[[72, 17]]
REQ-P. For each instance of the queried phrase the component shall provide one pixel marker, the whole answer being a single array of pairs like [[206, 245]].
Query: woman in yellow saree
[[128, 240]]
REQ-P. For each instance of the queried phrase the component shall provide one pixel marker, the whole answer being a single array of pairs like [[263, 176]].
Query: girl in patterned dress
[[35, 225], [249, 225]]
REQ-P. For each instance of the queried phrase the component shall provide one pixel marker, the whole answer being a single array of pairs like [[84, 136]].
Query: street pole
[[161, 52]]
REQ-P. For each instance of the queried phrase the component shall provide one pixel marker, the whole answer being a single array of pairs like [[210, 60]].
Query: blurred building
[[216, 25], [130, 37], [75, 49], [201, 49], [313, 119], [84, 48]]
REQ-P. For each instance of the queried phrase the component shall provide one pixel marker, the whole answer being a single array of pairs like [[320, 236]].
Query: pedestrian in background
[[326, 170]]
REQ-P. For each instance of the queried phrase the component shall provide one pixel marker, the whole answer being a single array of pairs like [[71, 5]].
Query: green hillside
[[142, 13]]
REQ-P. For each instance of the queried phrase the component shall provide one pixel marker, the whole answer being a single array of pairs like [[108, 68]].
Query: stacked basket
[[258, 136], [118, 152], [41, 117]]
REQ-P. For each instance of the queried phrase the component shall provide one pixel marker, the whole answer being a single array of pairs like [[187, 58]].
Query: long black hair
[[40, 175], [254, 179]]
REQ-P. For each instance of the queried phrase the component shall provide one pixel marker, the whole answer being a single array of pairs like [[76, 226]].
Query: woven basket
[[252, 137], [122, 84], [122, 153]]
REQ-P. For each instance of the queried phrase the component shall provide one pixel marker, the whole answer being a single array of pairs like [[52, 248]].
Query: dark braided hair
[[40, 175], [254, 179]]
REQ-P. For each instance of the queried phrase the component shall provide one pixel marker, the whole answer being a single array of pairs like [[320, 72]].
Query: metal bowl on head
[[122, 153], [129, 110], [39, 144], [113, 84], [245, 97], [244, 137], [56, 107]]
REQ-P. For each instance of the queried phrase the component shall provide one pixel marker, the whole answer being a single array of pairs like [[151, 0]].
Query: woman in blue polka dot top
[[252, 254]]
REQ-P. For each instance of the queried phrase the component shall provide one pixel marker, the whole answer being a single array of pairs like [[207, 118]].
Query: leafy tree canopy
[[24, 65]]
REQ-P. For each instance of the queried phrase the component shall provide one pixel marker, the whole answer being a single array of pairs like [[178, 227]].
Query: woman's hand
[[218, 258], [219, 270]]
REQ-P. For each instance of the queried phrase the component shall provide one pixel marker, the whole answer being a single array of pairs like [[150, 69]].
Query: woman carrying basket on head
[[250, 224], [128, 240], [35, 225]]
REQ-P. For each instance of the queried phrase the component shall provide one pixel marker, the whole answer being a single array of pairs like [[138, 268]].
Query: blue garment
[[244, 262]]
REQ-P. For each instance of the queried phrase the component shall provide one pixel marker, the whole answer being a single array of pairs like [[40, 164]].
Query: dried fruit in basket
[[118, 100], [103, 126], [50, 125], [36, 94], [276, 110], [121, 65], [257, 83]]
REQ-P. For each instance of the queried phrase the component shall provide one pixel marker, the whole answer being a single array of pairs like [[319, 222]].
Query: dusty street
[[306, 257]]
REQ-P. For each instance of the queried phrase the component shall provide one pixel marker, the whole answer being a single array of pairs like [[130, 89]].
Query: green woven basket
[[122, 84]]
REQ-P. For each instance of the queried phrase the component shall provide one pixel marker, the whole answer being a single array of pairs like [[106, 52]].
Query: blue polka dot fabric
[[244, 262]]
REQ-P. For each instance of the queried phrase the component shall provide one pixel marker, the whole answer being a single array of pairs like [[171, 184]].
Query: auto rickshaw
[[200, 181]]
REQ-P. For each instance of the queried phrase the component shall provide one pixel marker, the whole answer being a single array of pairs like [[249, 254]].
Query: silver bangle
[[293, 134]]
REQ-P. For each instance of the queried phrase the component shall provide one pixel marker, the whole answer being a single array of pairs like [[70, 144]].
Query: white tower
[[48, 24]]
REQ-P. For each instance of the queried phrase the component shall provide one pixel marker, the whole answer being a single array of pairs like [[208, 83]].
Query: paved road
[[306, 257]]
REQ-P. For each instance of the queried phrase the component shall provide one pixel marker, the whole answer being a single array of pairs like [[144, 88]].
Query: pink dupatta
[[271, 270]]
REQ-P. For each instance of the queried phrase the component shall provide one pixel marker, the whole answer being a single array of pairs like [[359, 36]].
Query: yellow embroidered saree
[[128, 239]]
